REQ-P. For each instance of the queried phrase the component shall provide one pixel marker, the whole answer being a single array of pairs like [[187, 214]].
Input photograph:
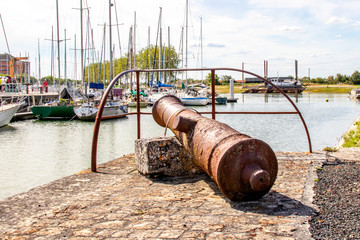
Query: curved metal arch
[[138, 113]]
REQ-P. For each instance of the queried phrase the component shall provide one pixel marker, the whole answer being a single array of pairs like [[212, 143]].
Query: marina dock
[[118, 202]]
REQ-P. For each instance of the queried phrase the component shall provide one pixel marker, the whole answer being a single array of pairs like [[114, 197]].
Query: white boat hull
[[7, 112], [355, 93], [194, 101], [88, 113]]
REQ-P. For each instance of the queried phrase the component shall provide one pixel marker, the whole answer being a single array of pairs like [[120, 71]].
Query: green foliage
[[355, 77], [144, 59], [330, 149], [226, 78], [352, 138], [208, 79], [338, 79]]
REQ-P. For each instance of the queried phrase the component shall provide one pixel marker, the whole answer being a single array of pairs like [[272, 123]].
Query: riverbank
[[352, 137], [310, 88]]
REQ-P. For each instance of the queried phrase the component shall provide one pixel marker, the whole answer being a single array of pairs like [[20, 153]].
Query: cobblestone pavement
[[119, 203]]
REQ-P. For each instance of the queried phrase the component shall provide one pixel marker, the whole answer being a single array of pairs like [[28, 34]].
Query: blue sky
[[323, 35]]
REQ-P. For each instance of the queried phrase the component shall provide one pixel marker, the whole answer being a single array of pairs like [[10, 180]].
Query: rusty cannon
[[244, 168]]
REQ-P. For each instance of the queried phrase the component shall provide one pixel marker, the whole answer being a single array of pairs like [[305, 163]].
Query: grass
[[311, 88], [352, 138], [339, 88], [226, 89]]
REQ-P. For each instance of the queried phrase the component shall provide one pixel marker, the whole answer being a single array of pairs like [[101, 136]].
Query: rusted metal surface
[[213, 111], [244, 168]]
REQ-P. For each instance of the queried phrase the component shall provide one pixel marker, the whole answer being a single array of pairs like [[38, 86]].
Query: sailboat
[[191, 97], [112, 109], [64, 107], [7, 112], [57, 110]]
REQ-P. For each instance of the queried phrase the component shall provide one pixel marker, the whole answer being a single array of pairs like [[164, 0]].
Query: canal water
[[35, 152]]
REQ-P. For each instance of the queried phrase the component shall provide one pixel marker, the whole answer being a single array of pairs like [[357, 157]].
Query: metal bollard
[[244, 168]]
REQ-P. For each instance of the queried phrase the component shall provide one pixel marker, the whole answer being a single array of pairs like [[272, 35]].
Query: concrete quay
[[119, 203]]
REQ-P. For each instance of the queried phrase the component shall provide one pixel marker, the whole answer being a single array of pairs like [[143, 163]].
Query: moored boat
[[53, 112], [355, 93], [221, 100], [113, 109], [193, 98], [7, 112], [61, 109]]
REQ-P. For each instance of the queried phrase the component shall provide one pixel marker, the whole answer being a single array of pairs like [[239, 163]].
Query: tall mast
[[135, 40], [131, 55], [104, 54], [65, 56], [110, 42], [52, 53], [39, 59], [148, 58], [160, 41], [168, 61], [7, 44], [186, 43], [201, 49], [75, 70], [58, 40], [82, 43], [182, 52]]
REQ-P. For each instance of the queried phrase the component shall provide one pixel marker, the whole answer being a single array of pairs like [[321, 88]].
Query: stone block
[[163, 156]]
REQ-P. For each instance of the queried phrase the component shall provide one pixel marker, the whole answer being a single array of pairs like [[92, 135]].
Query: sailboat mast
[[58, 40], [75, 69], [201, 50], [168, 61], [104, 54], [134, 40], [82, 43], [110, 42], [148, 57], [39, 59], [65, 56], [186, 43], [52, 54], [131, 56]]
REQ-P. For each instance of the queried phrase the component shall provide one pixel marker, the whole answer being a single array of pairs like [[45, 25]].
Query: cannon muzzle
[[244, 168]]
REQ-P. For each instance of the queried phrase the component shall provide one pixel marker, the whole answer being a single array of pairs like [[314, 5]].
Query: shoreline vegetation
[[310, 88], [352, 137]]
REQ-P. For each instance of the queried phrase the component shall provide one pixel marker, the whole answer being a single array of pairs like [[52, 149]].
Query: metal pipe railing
[[213, 112]]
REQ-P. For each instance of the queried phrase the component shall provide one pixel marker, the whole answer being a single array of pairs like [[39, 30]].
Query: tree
[[147, 58], [208, 79], [331, 80], [143, 61], [355, 77], [226, 78]]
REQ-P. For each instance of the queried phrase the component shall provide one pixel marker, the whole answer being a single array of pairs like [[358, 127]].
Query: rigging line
[[100, 62], [7, 44], [117, 25], [157, 35]]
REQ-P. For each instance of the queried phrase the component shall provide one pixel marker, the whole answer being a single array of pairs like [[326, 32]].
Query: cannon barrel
[[244, 168]]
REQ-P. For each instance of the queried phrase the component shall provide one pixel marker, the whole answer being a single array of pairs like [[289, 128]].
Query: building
[[15, 66]]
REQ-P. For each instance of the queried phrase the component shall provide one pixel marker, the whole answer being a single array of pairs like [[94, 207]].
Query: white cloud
[[253, 29], [335, 20], [287, 28]]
